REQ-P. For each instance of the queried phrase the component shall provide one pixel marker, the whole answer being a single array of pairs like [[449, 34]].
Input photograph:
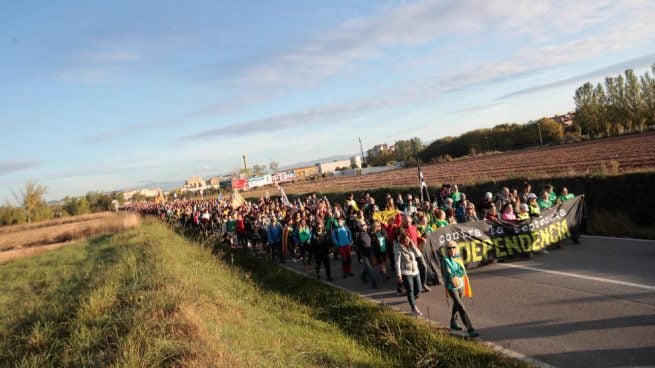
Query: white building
[[330, 167]]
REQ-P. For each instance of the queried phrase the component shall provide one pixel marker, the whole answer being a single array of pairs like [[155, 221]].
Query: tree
[[76, 206], [648, 92], [273, 165], [584, 107], [633, 100], [258, 170], [551, 131], [32, 202], [407, 150], [245, 173], [10, 215]]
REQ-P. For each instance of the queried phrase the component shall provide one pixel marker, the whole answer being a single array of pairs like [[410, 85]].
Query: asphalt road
[[586, 305]]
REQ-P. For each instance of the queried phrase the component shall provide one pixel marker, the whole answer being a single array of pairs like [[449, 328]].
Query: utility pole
[[361, 149], [541, 141]]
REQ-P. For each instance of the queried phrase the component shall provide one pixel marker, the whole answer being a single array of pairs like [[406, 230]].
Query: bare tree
[[273, 165], [31, 199]]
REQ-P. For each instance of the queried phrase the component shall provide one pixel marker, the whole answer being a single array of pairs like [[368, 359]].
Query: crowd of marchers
[[386, 236]]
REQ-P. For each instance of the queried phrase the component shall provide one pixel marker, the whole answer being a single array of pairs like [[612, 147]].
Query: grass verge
[[148, 297]]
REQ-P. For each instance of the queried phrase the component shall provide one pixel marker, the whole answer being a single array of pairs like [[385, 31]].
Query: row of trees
[[32, 206], [622, 104], [404, 150], [503, 137]]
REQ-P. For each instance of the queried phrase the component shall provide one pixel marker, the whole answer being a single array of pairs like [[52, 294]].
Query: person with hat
[[486, 203], [523, 212]]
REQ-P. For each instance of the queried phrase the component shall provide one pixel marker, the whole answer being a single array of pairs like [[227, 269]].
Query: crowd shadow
[[604, 358], [545, 328]]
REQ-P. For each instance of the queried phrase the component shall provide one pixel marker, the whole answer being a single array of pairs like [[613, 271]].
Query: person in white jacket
[[407, 270]]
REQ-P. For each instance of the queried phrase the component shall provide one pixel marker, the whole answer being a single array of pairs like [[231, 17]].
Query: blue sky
[[111, 95]]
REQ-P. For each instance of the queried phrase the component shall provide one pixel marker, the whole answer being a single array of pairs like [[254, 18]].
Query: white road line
[[617, 238], [569, 274]]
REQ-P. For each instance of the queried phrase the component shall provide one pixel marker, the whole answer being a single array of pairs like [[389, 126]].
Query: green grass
[[149, 297]]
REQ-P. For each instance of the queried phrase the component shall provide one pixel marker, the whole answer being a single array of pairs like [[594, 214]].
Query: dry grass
[[59, 221], [20, 237]]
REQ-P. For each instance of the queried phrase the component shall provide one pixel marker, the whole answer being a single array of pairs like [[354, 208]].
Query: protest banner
[[480, 240]]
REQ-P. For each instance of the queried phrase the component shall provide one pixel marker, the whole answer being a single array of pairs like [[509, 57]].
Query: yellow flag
[[237, 200], [385, 216]]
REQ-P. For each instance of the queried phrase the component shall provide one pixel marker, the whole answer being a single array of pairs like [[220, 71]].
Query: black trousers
[[458, 306], [322, 259]]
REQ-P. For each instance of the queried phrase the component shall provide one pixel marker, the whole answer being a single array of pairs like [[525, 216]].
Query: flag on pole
[[425, 195], [237, 199], [285, 200], [160, 197]]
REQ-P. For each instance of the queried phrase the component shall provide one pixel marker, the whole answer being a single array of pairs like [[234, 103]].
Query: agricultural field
[[617, 155], [18, 241]]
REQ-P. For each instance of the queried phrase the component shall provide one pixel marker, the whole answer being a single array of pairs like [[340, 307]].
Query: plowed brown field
[[632, 152]]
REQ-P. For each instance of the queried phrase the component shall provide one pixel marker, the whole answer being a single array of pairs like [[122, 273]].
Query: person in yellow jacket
[[457, 286]]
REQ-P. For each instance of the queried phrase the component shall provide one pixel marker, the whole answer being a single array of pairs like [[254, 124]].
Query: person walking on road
[[456, 285], [363, 240], [321, 249], [407, 271], [342, 240]]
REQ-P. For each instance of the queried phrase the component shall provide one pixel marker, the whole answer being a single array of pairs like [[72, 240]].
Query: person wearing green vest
[[552, 197], [304, 237], [564, 195], [524, 213], [455, 194], [533, 206], [331, 223], [441, 219], [381, 250], [454, 273], [544, 201]]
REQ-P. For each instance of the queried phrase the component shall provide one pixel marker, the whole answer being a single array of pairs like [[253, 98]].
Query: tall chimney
[[245, 162]]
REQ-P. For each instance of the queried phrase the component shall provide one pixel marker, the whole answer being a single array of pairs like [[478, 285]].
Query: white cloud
[[9, 166]]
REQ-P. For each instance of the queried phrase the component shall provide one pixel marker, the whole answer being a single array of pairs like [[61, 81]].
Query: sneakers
[[416, 312], [543, 251], [455, 326], [473, 333]]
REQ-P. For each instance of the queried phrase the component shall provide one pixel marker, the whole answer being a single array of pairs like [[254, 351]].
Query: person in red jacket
[[242, 240]]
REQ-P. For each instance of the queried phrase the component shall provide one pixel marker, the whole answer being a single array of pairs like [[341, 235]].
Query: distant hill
[[317, 161], [164, 185]]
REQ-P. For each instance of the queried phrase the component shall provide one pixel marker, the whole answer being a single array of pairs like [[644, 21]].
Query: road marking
[[592, 278], [617, 238]]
